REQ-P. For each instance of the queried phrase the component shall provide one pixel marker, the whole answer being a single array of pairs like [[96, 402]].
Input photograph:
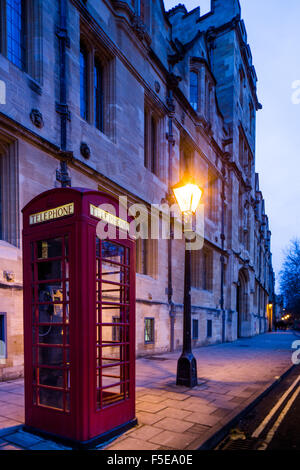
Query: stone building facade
[[125, 97]]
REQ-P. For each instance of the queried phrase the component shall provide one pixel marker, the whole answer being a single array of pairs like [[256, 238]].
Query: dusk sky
[[274, 37]]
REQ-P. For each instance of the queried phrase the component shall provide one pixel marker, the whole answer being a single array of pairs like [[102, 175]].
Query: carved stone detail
[[85, 150], [36, 118]]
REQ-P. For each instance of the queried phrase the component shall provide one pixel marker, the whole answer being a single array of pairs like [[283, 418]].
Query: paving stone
[[10, 447], [47, 445], [202, 418], [200, 407], [153, 391], [151, 407], [221, 412], [165, 448], [12, 398], [149, 418], [199, 429], [237, 399], [169, 403], [251, 389], [174, 424], [225, 368], [173, 439], [196, 401], [174, 413], [225, 404], [17, 390], [153, 398], [145, 432], [23, 439], [176, 396], [132, 444], [7, 424]]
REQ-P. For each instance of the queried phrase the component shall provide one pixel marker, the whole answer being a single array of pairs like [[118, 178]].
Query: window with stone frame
[[186, 157], [146, 252], [152, 138], [241, 148], [245, 154], [139, 6], [241, 217], [9, 193], [84, 82], [209, 329], [195, 328], [255, 299], [212, 195], [202, 269], [241, 86], [21, 35], [194, 89], [3, 335], [97, 83], [208, 101], [16, 19], [98, 95], [149, 330], [251, 118], [201, 87]]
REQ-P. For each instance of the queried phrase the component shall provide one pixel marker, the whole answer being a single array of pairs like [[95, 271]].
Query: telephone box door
[[48, 329], [113, 397]]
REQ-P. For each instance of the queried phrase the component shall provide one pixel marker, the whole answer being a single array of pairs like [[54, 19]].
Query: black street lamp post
[[186, 365], [188, 196]]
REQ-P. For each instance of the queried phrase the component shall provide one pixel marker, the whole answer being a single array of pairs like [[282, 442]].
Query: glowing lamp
[[188, 196]]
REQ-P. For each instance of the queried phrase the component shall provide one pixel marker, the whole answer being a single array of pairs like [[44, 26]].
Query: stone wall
[[136, 58]]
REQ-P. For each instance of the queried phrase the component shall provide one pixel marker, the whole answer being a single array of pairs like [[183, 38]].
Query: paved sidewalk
[[231, 376]]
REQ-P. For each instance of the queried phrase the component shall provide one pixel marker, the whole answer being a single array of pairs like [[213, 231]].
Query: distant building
[[144, 95]]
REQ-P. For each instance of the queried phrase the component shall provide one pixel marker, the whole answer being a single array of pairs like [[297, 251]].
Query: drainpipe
[[259, 282], [172, 83], [222, 259], [61, 107], [171, 142]]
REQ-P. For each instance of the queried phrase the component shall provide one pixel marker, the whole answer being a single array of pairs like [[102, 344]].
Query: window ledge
[[146, 276], [34, 85]]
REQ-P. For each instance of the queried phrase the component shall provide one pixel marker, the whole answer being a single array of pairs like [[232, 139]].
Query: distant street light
[[188, 196]]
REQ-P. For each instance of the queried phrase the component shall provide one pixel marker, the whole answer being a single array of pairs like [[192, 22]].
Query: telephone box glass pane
[[51, 398], [49, 248], [50, 307], [51, 377], [112, 322], [49, 270], [51, 334]]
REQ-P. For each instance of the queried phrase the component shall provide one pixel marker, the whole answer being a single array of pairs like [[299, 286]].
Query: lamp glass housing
[[188, 197]]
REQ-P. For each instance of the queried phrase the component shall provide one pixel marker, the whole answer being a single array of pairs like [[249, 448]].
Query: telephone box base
[[91, 443]]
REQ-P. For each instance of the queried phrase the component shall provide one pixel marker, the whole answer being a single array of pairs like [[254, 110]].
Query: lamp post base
[[187, 370]]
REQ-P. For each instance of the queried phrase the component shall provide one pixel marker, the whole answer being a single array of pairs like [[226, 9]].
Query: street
[[231, 377], [273, 424]]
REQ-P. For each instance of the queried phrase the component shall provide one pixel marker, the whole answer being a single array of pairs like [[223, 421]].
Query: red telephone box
[[79, 316]]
